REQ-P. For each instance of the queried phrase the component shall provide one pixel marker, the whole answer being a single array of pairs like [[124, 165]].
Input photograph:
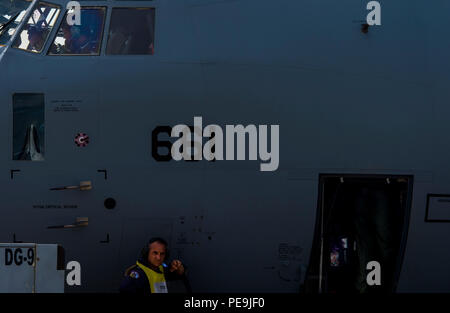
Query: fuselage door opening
[[361, 231]]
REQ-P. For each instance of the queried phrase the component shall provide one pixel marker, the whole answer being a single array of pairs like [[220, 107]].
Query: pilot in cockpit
[[79, 39], [36, 38]]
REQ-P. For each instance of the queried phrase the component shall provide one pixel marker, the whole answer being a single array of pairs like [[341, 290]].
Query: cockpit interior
[[130, 31]]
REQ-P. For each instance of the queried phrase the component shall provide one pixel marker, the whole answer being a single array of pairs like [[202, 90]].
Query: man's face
[[157, 254], [34, 37]]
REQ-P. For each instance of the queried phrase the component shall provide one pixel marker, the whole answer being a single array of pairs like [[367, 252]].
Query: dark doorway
[[360, 218]]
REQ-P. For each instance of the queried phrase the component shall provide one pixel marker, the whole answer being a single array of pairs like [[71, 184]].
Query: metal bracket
[[14, 239], [107, 239], [84, 185], [12, 173], [79, 222], [105, 172]]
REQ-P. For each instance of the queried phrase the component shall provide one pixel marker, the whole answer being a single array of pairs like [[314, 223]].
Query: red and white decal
[[81, 140]]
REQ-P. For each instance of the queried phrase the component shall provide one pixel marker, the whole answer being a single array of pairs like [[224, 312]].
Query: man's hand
[[177, 266]]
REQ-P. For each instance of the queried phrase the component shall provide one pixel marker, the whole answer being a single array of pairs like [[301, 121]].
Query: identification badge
[[160, 287]]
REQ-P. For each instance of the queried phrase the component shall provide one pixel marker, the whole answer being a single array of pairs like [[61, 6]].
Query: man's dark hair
[[159, 240]]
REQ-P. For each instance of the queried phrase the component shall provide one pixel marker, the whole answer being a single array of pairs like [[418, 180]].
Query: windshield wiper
[[4, 26]]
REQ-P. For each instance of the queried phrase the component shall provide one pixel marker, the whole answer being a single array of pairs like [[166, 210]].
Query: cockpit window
[[34, 33], [11, 14], [84, 39], [131, 31]]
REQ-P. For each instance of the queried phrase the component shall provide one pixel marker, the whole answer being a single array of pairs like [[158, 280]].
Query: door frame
[[318, 238]]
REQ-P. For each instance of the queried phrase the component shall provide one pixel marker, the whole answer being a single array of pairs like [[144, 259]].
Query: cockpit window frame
[[25, 22], [12, 38], [108, 7], [105, 7]]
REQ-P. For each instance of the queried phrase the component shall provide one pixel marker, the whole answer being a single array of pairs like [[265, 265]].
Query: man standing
[[151, 274]]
